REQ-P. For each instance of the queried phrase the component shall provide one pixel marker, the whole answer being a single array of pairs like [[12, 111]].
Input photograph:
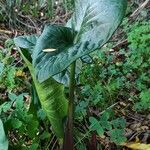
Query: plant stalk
[[68, 140]]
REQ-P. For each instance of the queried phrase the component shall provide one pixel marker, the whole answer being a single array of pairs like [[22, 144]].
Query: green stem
[[68, 141]]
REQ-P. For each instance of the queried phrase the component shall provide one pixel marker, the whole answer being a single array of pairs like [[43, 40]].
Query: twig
[[37, 29], [134, 135], [32, 27], [141, 7], [108, 108], [52, 139], [120, 44], [6, 31]]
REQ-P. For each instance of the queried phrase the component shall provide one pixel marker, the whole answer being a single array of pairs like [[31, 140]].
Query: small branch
[[140, 8], [34, 25], [108, 108], [6, 31], [120, 44]]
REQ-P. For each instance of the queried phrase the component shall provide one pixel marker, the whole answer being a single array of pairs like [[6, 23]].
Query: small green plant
[[144, 103], [53, 57], [8, 68], [16, 116], [113, 128]]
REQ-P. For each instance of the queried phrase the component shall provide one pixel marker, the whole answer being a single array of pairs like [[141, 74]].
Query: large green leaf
[[56, 37], [28, 43], [54, 103], [52, 99], [3, 139], [93, 23]]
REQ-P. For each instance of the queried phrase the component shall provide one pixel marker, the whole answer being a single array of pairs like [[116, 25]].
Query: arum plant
[[53, 57]]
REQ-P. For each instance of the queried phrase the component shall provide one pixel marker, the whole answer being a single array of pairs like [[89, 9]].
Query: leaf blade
[[3, 139], [52, 99], [93, 23]]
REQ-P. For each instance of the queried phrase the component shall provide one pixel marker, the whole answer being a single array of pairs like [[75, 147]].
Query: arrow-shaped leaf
[[93, 23]]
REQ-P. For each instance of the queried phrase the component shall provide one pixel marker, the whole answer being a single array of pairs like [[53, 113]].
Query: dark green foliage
[[120, 75], [15, 114], [96, 126], [139, 61], [9, 76], [117, 136], [144, 103], [8, 68], [116, 76]]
